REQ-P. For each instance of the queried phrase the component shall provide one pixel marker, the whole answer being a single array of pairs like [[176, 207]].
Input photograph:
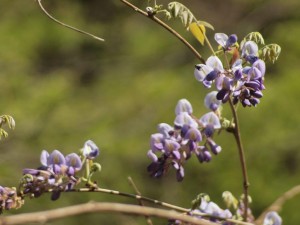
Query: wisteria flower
[[250, 51], [272, 218], [90, 150], [209, 71], [225, 41], [183, 105], [73, 163], [211, 102], [185, 119], [54, 161]]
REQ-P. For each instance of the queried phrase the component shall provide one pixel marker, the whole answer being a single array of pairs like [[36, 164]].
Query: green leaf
[[270, 52], [179, 10], [206, 24]]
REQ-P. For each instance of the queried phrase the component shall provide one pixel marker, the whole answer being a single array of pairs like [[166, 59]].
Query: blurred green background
[[64, 88]]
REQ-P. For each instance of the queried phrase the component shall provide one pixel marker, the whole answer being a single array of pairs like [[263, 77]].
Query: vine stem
[[66, 25], [167, 27], [279, 202], [156, 202], [238, 139], [90, 207]]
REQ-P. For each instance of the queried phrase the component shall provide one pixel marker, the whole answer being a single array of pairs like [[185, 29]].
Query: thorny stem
[[164, 25], [238, 139], [66, 25]]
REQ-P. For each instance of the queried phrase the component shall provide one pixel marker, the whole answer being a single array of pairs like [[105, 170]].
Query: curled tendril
[[66, 25]]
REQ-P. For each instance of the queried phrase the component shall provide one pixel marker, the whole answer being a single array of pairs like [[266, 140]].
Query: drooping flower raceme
[[243, 76], [173, 146], [57, 172]]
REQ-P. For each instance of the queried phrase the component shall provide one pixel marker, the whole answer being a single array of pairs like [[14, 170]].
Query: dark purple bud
[[203, 154], [212, 75], [216, 149], [221, 94], [232, 39], [238, 74], [254, 101], [209, 130], [192, 146], [55, 195], [251, 58], [180, 174], [246, 102], [257, 94], [253, 84]]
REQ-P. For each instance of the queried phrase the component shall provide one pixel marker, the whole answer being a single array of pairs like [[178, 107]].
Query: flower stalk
[[237, 136]]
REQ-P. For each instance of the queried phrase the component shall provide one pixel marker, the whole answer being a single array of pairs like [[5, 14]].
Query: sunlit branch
[[238, 139], [66, 25], [131, 182], [91, 207], [167, 27], [156, 202], [279, 202]]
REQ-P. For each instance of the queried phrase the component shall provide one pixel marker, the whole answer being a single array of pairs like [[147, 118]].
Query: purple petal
[[183, 105], [73, 160], [152, 156], [194, 135], [212, 119], [156, 142], [221, 39], [44, 158], [90, 150], [56, 158]]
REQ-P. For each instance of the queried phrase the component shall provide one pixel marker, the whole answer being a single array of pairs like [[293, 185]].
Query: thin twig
[[91, 207], [66, 25], [131, 182], [238, 139], [167, 27], [279, 202]]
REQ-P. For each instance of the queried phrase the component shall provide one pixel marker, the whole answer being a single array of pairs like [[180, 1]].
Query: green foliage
[[63, 88], [6, 120]]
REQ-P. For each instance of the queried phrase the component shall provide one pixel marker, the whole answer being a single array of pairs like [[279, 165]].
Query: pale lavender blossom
[[183, 105], [90, 150], [272, 218], [74, 164], [211, 102], [225, 41]]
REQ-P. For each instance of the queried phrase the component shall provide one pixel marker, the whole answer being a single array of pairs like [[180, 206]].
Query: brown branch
[[167, 27], [66, 25], [91, 207], [131, 182], [279, 202]]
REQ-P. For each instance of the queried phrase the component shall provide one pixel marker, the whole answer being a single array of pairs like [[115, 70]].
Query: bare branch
[[168, 28], [66, 25], [91, 207], [277, 205]]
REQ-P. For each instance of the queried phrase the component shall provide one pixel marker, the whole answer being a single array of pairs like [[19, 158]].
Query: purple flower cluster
[[57, 172], [9, 199], [242, 79], [173, 146]]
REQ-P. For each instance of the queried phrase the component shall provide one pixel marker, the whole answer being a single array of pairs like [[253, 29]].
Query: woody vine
[[234, 75]]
